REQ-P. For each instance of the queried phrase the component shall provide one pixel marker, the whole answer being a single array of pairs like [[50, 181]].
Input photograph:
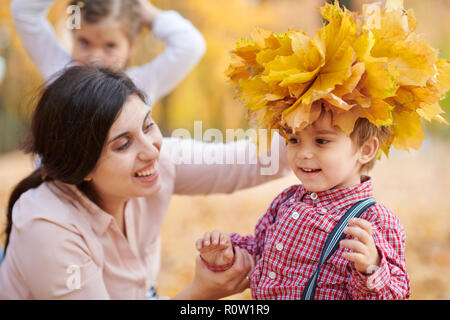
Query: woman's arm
[[38, 36], [206, 168], [185, 46]]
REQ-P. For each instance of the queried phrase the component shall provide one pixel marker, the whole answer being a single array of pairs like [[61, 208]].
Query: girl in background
[[107, 37]]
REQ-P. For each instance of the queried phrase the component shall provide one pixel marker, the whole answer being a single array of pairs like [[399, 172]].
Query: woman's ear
[[88, 178], [368, 150]]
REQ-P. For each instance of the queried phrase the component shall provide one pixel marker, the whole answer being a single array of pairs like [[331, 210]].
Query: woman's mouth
[[147, 174]]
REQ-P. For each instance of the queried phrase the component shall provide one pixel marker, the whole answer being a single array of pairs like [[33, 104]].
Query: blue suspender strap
[[332, 243]]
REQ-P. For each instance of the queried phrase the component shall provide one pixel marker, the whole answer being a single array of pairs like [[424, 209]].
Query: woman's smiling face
[[128, 165]]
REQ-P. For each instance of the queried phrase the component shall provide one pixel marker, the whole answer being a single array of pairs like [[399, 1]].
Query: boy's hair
[[127, 11], [365, 130], [362, 131]]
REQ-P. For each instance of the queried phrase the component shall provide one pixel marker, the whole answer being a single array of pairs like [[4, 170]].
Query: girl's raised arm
[[185, 47], [38, 36]]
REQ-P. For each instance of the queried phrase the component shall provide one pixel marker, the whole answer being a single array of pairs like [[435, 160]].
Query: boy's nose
[[304, 153]]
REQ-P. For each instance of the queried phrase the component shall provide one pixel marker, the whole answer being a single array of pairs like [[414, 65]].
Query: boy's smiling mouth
[[309, 170]]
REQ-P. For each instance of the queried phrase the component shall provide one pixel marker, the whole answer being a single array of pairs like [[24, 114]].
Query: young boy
[[288, 240], [360, 85]]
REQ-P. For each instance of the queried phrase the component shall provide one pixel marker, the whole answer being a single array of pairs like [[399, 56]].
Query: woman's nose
[[150, 148]]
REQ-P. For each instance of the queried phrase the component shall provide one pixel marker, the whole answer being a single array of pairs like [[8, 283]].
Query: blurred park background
[[415, 185]]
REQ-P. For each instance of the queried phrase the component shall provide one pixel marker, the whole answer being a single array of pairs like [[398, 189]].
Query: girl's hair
[[69, 128], [127, 11]]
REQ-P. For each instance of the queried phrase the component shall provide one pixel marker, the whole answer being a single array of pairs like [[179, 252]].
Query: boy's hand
[[364, 252], [149, 12], [215, 248]]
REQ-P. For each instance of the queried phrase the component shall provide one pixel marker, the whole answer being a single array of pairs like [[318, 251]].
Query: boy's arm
[[185, 47], [390, 281], [38, 36]]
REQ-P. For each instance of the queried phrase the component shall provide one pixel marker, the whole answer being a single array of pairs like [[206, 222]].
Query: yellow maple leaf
[[407, 130]]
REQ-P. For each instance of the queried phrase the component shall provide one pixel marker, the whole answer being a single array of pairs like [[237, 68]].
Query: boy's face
[[103, 43], [323, 157]]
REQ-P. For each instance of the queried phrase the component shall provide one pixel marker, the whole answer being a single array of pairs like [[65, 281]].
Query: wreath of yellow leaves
[[370, 65]]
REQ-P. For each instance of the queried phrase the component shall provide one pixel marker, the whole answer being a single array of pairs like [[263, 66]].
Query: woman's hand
[[149, 12], [215, 285]]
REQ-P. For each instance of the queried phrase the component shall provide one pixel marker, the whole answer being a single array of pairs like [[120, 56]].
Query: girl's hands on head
[[149, 12]]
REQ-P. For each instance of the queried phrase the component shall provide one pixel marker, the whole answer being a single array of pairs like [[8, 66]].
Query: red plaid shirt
[[289, 238]]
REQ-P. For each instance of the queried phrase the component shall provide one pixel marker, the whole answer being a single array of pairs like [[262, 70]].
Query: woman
[[86, 224]]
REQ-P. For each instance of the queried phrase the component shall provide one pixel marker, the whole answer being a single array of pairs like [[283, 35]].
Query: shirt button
[[272, 275], [295, 215], [314, 196], [279, 246]]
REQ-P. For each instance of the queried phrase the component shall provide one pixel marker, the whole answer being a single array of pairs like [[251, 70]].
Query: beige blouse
[[63, 246]]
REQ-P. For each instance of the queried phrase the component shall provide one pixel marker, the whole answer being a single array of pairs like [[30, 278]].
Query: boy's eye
[[322, 141], [293, 140]]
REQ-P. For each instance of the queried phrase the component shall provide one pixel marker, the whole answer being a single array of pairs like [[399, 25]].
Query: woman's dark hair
[[69, 128], [127, 11]]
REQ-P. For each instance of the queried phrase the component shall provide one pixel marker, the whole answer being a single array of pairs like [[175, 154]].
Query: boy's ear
[[368, 150]]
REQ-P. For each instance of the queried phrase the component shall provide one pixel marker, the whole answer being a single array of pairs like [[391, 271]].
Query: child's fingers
[[199, 244], [354, 245], [358, 233], [363, 224], [224, 238], [215, 235], [207, 239], [354, 257]]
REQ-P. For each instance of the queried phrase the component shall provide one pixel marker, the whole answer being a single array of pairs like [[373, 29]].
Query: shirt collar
[[98, 219], [335, 199]]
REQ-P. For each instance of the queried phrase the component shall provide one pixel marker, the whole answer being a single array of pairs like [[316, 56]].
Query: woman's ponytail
[[34, 180]]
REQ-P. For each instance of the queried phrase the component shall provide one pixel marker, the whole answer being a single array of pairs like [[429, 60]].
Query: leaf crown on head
[[358, 65]]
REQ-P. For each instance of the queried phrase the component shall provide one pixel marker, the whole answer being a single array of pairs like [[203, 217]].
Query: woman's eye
[[322, 141], [148, 126], [124, 146], [293, 140]]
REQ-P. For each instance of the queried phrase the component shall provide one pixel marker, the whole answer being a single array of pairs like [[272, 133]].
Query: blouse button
[[272, 275], [279, 246], [314, 196], [295, 215]]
